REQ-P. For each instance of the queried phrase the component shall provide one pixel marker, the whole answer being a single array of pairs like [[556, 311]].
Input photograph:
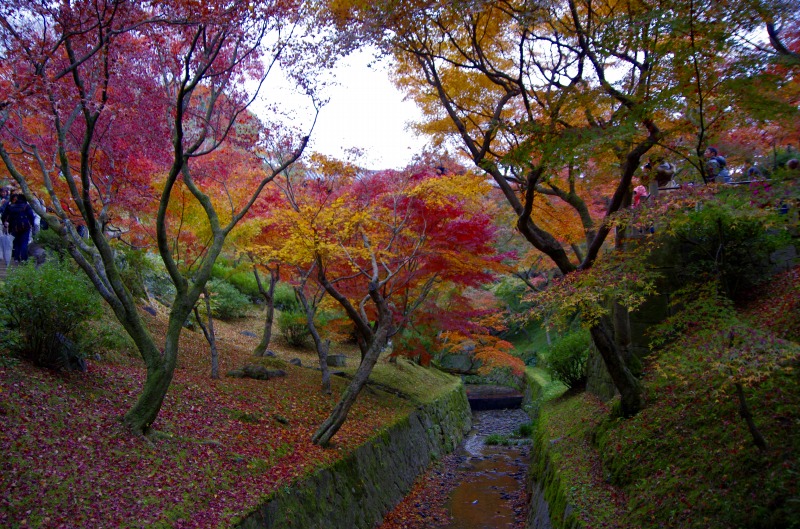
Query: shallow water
[[492, 477]]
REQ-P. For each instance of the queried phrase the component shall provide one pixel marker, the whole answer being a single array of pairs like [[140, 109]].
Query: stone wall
[[357, 491], [669, 259], [548, 505], [543, 481]]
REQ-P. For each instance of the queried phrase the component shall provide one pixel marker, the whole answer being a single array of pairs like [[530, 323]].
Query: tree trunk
[[269, 298], [321, 347], [142, 415], [208, 332], [625, 382], [160, 368], [328, 429], [744, 413], [322, 352], [622, 330]]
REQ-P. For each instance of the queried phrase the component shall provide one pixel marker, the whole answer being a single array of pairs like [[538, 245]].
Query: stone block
[[336, 360]]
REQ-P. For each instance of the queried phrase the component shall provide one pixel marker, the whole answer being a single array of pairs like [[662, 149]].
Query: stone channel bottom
[[484, 485], [485, 498]]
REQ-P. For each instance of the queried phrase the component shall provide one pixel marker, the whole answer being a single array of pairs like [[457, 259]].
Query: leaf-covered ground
[[221, 446]]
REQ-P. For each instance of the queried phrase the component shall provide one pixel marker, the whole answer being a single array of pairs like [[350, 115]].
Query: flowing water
[[479, 486], [491, 490]]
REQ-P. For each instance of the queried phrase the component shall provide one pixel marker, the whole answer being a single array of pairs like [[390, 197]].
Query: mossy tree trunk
[[336, 419], [375, 335], [322, 346], [269, 299], [629, 387]]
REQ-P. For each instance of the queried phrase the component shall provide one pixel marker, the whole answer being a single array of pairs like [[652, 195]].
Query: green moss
[[569, 470], [421, 384]]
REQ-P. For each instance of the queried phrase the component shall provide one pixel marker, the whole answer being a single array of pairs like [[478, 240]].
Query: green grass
[[497, 439], [421, 384]]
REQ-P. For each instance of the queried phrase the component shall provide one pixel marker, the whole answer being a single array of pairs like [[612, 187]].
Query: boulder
[[256, 372], [462, 364], [337, 360]]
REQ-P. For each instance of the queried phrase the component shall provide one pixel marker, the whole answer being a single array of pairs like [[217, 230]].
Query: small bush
[[51, 242], [285, 299], [227, 303], [293, 326], [241, 278], [566, 359], [108, 338], [246, 284], [524, 430], [497, 439], [43, 309], [729, 244]]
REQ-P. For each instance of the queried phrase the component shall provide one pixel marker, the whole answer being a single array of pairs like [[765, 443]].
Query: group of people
[[19, 221], [661, 174]]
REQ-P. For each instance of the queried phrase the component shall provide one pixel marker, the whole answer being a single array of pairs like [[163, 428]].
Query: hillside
[[219, 446], [688, 459]]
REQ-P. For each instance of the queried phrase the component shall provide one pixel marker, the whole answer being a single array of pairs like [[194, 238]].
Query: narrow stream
[[492, 475], [479, 486]]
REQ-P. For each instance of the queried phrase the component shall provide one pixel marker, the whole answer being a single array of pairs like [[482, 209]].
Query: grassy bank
[[688, 459]]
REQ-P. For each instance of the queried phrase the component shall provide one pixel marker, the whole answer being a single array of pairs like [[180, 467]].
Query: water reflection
[[490, 494]]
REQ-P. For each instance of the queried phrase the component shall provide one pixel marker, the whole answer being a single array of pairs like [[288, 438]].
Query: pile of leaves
[[220, 447]]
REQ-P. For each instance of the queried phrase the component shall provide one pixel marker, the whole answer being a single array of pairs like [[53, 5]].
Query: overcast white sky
[[364, 111]]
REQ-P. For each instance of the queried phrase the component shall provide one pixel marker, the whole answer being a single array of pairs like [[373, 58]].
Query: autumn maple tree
[[560, 103], [382, 244], [115, 110], [526, 92]]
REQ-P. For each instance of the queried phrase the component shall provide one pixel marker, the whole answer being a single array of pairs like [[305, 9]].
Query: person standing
[[5, 198], [18, 220], [717, 167]]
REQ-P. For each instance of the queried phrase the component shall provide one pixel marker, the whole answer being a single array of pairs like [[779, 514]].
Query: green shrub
[[729, 240], [285, 298], [245, 282], [51, 242], [293, 326], [106, 336], [227, 302], [496, 439], [566, 359], [242, 278], [524, 430], [42, 310]]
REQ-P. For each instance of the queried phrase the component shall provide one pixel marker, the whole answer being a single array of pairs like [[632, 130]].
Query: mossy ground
[[688, 459]]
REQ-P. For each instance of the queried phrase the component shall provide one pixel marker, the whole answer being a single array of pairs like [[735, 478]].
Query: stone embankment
[[543, 482], [357, 491]]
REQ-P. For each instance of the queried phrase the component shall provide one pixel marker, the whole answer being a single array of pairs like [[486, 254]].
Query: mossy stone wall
[[548, 507], [357, 491], [668, 260]]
